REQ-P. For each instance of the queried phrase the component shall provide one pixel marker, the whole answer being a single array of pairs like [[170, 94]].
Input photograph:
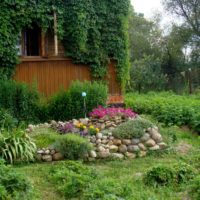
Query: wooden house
[[42, 60]]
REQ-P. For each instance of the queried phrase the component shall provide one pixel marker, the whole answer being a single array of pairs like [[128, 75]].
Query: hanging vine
[[92, 31]]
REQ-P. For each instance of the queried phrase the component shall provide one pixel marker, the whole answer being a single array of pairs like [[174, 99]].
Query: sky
[[147, 6]]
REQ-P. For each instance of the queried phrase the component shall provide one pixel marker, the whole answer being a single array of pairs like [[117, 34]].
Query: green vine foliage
[[92, 31]]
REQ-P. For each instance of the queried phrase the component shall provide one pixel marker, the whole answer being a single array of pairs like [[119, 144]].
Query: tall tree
[[189, 10]]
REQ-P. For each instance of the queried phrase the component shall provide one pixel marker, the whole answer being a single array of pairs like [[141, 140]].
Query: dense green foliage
[[132, 128], [16, 147], [71, 178], [13, 185], [168, 108], [92, 31], [20, 99], [166, 176], [69, 104], [72, 146], [7, 121], [194, 188]]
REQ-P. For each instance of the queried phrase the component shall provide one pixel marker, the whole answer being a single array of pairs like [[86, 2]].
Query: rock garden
[[111, 133]]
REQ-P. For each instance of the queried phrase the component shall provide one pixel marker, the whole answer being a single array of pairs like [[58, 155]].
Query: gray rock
[[145, 137], [57, 157], [113, 148], [156, 136], [100, 149], [47, 158], [103, 154], [135, 141], [40, 151], [117, 142], [93, 154], [53, 151], [133, 148], [98, 141], [93, 139], [162, 145], [130, 155], [99, 135], [154, 148], [150, 143], [104, 137], [142, 153], [103, 126], [104, 141], [122, 148], [126, 142], [47, 152], [142, 147], [117, 155]]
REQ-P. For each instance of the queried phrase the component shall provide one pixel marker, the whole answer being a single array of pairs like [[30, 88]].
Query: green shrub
[[167, 108], [132, 129], [108, 189], [73, 146], [184, 172], [72, 178], [69, 104], [20, 99], [194, 188], [16, 147], [7, 121], [13, 185], [160, 176]]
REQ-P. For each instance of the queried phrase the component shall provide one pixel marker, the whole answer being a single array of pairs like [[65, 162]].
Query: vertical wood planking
[[53, 74]]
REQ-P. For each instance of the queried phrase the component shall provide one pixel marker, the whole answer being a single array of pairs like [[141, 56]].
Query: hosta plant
[[16, 147]]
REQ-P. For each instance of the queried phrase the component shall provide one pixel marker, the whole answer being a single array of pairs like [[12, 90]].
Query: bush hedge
[[167, 108], [68, 104], [21, 100]]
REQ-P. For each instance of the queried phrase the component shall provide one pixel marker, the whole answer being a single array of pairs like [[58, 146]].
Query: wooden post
[[55, 34], [43, 52]]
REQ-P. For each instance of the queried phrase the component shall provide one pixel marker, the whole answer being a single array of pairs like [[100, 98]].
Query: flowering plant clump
[[101, 112], [92, 130], [66, 128], [79, 128]]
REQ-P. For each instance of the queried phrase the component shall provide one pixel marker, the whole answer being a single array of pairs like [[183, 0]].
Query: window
[[31, 41]]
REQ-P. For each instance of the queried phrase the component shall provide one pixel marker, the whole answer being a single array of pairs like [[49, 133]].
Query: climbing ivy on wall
[[92, 31]]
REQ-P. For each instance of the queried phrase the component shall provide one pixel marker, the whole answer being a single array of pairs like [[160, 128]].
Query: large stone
[[47, 152], [126, 142], [99, 135], [98, 141], [117, 142], [162, 145], [135, 141], [122, 148], [104, 137], [113, 148], [150, 143], [57, 157], [142, 147], [156, 136], [47, 158], [130, 155], [100, 148], [93, 139], [154, 148], [133, 148], [103, 126], [92, 154], [110, 142], [145, 137], [84, 121], [117, 155], [104, 141], [142, 153], [40, 151], [103, 154]]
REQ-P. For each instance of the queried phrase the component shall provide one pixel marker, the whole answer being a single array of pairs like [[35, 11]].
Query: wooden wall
[[52, 74]]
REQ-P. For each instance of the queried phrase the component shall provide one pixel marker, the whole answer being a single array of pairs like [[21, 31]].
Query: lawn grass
[[128, 171]]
